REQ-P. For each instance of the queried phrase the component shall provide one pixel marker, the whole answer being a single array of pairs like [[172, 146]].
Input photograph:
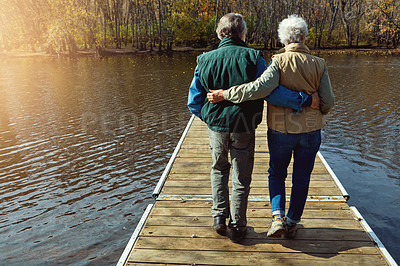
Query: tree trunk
[[316, 33], [159, 27], [104, 31], [334, 9], [148, 27], [169, 44], [153, 24], [63, 45], [5, 43], [216, 16], [346, 24], [127, 25], [72, 49], [357, 33], [321, 29], [117, 24]]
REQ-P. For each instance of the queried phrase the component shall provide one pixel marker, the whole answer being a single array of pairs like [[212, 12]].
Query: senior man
[[289, 132], [231, 126]]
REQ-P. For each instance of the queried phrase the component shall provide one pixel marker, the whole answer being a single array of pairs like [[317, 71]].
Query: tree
[[387, 21], [351, 13]]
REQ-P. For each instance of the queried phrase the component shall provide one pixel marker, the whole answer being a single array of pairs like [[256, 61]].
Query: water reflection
[[83, 143], [366, 115]]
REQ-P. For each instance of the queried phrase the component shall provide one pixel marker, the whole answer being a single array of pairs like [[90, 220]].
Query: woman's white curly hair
[[292, 29]]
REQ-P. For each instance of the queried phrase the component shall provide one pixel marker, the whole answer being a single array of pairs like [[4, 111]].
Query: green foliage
[[312, 32], [191, 26]]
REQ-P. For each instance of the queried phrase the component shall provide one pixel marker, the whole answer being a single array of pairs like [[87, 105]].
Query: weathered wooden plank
[[317, 205], [208, 160], [258, 245], [258, 164], [196, 212], [198, 257], [315, 191], [254, 183], [199, 132], [261, 128], [203, 162], [203, 153], [261, 222], [181, 158], [323, 233], [206, 168], [200, 142], [205, 148], [255, 176]]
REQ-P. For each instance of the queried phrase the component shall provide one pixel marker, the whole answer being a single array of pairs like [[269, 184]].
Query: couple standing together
[[227, 93]]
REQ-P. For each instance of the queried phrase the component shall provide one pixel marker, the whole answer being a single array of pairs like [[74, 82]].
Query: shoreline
[[357, 50], [184, 50]]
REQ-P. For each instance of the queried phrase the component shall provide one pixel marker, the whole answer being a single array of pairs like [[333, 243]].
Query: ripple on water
[[81, 155]]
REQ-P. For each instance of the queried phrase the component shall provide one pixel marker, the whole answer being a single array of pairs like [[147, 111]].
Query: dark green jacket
[[233, 63]]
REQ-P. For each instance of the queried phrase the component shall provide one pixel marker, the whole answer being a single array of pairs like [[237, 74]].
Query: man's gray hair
[[232, 25], [292, 29]]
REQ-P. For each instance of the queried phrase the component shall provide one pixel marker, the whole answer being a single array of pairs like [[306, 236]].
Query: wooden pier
[[176, 229]]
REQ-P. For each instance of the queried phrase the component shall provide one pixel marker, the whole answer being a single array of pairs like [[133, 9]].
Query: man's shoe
[[238, 233], [277, 228], [220, 225], [291, 231]]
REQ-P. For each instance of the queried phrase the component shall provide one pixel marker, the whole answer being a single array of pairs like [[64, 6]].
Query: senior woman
[[289, 132]]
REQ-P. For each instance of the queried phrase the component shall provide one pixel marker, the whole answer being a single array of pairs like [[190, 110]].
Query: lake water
[[84, 141]]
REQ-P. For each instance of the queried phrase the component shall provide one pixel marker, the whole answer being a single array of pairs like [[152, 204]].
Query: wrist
[[308, 101], [225, 94]]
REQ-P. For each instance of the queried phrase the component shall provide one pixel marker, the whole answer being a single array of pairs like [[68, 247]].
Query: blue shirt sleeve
[[281, 95], [261, 67], [197, 95]]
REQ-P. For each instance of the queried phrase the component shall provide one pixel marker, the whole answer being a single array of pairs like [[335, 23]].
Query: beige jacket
[[298, 70]]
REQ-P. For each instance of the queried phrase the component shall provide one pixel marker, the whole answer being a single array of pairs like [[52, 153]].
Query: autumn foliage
[[72, 25]]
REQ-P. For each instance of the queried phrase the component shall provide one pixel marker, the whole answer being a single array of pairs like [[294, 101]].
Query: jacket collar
[[297, 47], [231, 41]]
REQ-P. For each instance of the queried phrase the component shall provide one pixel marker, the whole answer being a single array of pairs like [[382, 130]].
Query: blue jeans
[[304, 148]]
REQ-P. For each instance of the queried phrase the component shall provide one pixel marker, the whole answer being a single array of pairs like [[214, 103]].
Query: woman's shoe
[[277, 228]]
